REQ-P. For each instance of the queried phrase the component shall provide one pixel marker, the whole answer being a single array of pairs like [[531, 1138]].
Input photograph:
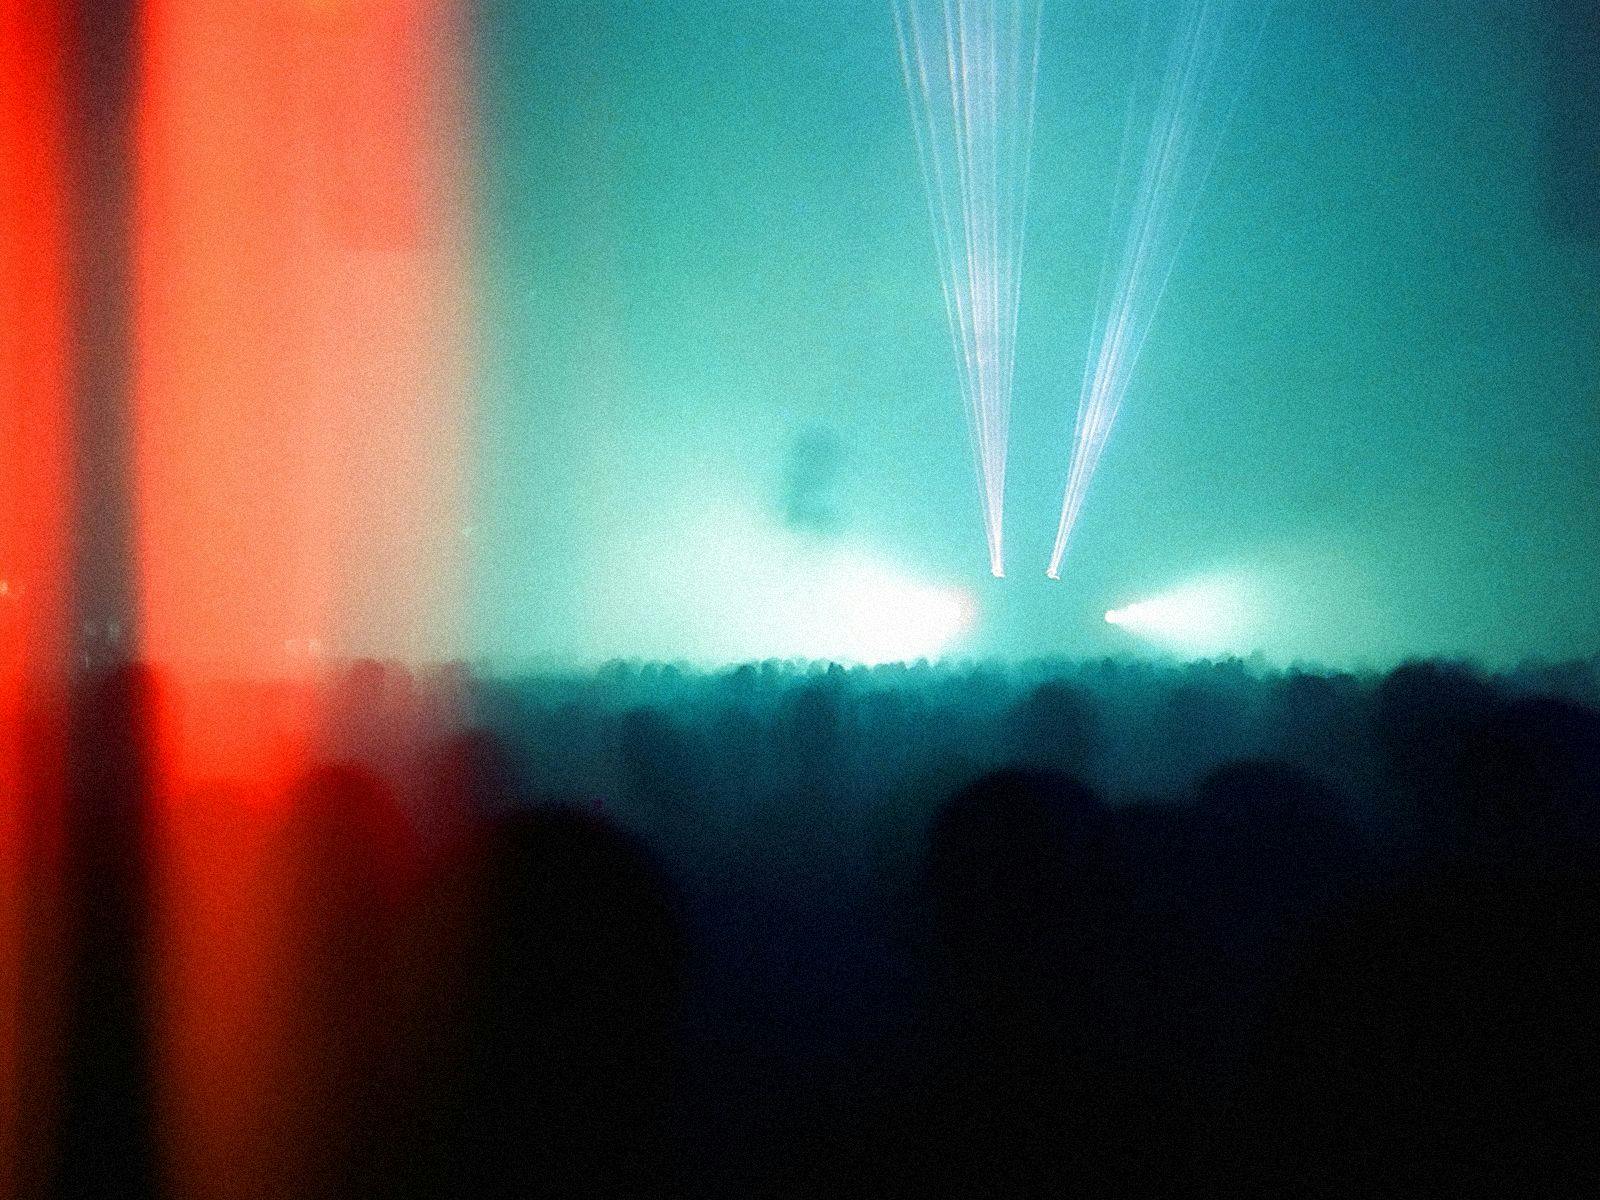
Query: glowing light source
[[863, 612], [1198, 84], [971, 69], [1209, 615]]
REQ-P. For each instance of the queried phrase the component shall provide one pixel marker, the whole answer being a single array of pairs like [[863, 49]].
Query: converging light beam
[[1197, 84], [1211, 615], [971, 70]]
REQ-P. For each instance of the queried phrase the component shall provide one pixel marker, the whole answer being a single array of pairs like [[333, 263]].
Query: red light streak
[[35, 495]]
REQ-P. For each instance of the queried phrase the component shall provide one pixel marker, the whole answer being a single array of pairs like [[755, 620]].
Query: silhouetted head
[[350, 846], [473, 776], [1266, 805], [1011, 856], [1424, 712], [1270, 842], [578, 932], [1055, 727], [1528, 774], [574, 979]]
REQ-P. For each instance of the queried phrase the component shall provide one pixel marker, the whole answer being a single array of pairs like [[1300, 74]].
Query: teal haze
[[1370, 396]]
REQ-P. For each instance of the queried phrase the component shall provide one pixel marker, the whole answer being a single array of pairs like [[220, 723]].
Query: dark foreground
[[1101, 929]]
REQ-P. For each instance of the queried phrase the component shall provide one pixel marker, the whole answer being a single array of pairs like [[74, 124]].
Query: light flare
[[866, 613], [1209, 615], [299, 336]]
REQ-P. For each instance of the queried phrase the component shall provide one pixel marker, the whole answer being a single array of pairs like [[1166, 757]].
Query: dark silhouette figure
[[556, 1078], [1423, 714], [1024, 1030], [1441, 1036], [1435, 1040], [105, 1145], [1221, 887], [471, 779], [346, 874], [1055, 728], [1361, 966], [1274, 849]]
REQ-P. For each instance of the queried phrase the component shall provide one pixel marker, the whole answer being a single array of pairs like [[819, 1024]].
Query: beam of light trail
[[1213, 614], [37, 499], [971, 70], [299, 372], [1196, 612], [1207, 48]]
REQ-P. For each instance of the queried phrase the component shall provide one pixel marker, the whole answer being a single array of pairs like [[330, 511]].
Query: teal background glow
[[1372, 388]]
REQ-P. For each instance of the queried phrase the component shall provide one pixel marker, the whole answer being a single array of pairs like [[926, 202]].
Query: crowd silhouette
[[1106, 928]]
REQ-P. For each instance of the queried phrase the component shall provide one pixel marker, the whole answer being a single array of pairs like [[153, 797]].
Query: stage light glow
[[1198, 83], [865, 613], [971, 74], [724, 582], [1207, 616]]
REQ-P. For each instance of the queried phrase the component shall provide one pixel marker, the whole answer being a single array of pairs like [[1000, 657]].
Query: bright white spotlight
[[866, 613], [1208, 616]]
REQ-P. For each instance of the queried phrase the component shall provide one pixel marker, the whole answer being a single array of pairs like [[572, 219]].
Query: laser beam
[[971, 70], [1208, 47]]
